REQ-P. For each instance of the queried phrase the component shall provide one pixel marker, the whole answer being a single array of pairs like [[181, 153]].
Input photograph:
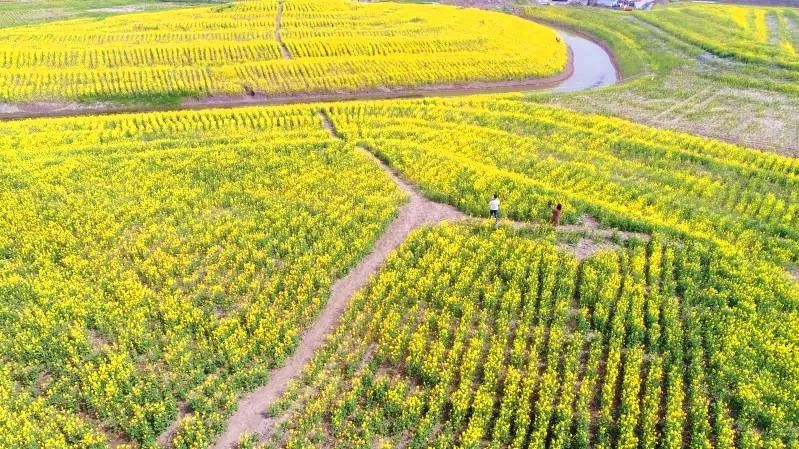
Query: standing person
[[556, 213], [493, 208]]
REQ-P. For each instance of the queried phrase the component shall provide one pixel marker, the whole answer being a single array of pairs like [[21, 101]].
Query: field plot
[[628, 176], [27, 12], [676, 81], [761, 35], [270, 47], [477, 338], [162, 263]]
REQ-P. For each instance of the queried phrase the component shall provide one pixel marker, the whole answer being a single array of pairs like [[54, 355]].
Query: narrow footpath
[[417, 212], [284, 51]]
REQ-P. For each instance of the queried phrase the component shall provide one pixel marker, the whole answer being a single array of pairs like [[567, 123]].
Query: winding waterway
[[593, 66]]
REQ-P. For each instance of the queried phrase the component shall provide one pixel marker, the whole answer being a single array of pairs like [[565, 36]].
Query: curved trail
[[590, 65], [250, 416]]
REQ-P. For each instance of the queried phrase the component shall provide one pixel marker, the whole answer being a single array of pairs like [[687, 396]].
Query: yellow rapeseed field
[[165, 261], [272, 47], [148, 261], [472, 337]]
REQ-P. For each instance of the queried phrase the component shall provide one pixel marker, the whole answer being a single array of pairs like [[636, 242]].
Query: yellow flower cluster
[[167, 260], [514, 344], [752, 34], [334, 45]]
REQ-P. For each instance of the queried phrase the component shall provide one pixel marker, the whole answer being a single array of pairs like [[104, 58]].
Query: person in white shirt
[[493, 208]]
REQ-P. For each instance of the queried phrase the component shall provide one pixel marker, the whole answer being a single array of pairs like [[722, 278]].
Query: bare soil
[[589, 227], [773, 29], [119, 9], [679, 106], [589, 222], [585, 248], [165, 438], [278, 23]]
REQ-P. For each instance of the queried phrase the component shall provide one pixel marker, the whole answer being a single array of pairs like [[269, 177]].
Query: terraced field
[[270, 47], [676, 79]]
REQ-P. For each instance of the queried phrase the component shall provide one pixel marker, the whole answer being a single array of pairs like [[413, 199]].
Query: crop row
[[308, 75], [471, 338], [162, 262], [208, 54], [373, 47], [759, 35]]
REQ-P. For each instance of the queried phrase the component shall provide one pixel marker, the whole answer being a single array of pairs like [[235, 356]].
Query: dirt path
[[165, 438], [603, 234], [417, 212], [278, 24], [250, 416]]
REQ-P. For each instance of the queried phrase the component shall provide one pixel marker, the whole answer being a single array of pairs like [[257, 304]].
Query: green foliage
[[750, 34], [30, 12], [690, 67]]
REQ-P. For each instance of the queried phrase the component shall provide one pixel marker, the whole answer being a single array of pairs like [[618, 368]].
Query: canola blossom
[[234, 49], [472, 337], [164, 262]]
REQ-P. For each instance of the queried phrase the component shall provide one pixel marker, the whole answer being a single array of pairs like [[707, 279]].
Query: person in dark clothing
[[556, 213]]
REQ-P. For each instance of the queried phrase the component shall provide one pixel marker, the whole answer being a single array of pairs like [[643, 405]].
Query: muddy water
[[592, 65]]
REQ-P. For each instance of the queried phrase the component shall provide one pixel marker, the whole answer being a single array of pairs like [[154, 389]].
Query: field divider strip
[[284, 51], [42, 109]]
